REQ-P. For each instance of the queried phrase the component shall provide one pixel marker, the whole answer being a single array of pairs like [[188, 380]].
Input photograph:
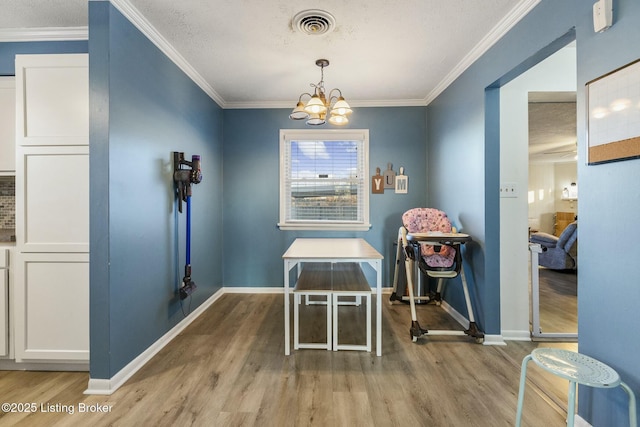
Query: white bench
[[332, 281], [314, 280]]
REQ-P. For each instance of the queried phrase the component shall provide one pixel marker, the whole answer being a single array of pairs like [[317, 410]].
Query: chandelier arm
[[332, 97], [303, 94]]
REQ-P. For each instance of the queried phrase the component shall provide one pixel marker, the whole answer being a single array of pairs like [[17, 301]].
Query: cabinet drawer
[[4, 258]]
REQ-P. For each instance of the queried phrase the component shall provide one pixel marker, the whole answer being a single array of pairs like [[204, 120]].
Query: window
[[324, 180]]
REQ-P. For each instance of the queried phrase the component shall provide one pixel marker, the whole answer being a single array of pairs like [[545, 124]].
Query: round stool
[[578, 369]]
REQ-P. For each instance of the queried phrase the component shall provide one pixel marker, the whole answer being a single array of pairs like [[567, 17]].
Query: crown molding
[[44, 34], [388, 103], [353, 103], [506, 24], [141, 23]]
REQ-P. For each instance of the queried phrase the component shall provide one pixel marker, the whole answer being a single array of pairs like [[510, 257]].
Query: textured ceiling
[[43, 13], [247, 54], [382, 52], [552, 127]]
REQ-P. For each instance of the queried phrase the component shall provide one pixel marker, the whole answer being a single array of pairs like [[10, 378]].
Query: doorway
[[556, 74], [552, 199]]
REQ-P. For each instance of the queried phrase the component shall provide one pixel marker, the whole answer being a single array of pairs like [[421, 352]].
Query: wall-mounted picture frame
[[613, 115]]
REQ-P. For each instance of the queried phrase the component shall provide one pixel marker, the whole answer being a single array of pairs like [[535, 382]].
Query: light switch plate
[[509, 189]]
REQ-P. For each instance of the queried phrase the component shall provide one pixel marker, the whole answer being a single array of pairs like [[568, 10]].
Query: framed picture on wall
[[613, 121]]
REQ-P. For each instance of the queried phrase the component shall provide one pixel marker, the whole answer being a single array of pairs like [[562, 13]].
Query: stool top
[[576, 367]]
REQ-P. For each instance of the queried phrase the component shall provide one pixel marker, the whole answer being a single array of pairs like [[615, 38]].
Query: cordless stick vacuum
[[186, 173]]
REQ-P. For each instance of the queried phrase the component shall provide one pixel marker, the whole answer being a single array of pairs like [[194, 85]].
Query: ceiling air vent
[[314, 22]]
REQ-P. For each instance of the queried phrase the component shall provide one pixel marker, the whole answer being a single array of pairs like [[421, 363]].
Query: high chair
[[430, 244]]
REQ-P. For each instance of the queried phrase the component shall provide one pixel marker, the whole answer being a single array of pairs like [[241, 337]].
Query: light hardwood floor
[[228, 369], [558, 300]]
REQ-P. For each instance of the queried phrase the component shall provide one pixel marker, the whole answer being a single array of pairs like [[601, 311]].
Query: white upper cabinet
[[56, 99], [7, 125]]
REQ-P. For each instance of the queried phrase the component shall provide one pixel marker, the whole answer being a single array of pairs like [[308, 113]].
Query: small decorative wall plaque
[[377, 185], [402, 182], [389, 177]]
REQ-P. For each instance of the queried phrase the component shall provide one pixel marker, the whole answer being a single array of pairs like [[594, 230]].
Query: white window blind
[[324, 180]]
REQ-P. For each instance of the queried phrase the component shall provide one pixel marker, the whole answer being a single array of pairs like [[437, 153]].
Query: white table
[[331, 250]]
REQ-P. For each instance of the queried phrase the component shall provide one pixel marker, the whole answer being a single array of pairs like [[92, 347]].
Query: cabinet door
[[53, 100], [52, 322], [7, 125], [52, 199], [4, 303], [51, 271]]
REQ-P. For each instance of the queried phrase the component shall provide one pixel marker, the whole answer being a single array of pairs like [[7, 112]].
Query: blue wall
[[462, 132], [609, 295], [143, 107], [251, 187], [464, 136], [9, 50]]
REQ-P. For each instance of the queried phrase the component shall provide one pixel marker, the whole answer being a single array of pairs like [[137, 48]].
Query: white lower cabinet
[[4, 302], [52, 321]]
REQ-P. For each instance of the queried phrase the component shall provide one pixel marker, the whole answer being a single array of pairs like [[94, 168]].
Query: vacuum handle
[[196, 171]]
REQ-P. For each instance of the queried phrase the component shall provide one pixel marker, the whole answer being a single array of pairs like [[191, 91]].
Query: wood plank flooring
[[558, 300], [228, 369]]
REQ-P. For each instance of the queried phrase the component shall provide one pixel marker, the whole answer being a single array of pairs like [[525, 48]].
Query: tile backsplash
[[7, 203]]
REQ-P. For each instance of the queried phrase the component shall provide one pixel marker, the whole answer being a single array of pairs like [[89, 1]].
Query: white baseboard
[[488, 339], [108, 386], [12, 365], [516, 335], [455, 314], [273, 290], [578, 421], [278, 290], [493, 340]]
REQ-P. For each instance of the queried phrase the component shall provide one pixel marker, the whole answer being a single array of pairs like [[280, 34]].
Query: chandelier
[[316, 109]]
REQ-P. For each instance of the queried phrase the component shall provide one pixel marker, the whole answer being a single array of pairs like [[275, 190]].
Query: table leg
[[296, 321], [523, 380], [287, 344], [369, 322], [378, 266]]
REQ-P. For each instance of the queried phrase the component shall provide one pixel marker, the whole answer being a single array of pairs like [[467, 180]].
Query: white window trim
[[325, 135]]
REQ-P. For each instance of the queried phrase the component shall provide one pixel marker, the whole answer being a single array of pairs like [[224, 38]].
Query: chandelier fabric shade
[[319, 104]]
